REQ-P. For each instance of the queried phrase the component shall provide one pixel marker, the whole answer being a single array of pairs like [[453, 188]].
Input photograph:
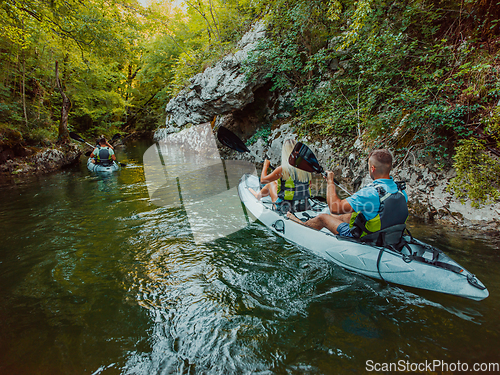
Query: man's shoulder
[[367, 193], [371, 189], [377, 188], [390, 186], [387, 183]]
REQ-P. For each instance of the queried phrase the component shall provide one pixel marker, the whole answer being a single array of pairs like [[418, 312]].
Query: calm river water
[[96, 279]]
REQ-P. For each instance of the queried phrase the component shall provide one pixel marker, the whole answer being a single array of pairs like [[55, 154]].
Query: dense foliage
[[119, 62], [420, 77], [414, 76]]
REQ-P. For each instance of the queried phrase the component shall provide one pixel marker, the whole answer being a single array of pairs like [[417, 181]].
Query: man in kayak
[[378, 206], [288, 186], [103, 154]]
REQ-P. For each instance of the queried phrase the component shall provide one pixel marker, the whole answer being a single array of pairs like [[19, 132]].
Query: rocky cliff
[[219, 90], [243, 104], [225, 92]]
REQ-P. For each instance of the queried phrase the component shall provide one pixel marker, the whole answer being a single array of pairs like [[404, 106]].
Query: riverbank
[[21, 161], [27, 161]]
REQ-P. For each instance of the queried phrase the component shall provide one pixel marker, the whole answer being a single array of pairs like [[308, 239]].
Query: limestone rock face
[[218, 90]]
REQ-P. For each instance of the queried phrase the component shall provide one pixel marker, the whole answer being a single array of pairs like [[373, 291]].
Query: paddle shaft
[[89, 144], [76, 137], [256, 157], [324, 174]]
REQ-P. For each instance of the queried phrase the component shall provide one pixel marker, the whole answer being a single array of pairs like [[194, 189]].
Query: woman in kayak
[[285, 183]]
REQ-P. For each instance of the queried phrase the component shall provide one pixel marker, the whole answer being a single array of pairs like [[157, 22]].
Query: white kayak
[[101, 168], [417, 265]]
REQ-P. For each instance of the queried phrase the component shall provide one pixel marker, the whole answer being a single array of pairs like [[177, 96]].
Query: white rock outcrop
[[218, 90]]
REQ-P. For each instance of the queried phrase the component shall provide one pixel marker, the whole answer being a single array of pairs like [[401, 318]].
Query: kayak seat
[[105, 163], [316, 204], [391, 237], [388, 237]]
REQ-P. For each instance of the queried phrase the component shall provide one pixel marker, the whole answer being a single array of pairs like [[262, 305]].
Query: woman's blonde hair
[[289, 171]]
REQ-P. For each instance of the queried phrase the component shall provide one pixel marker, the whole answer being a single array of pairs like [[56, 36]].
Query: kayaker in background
[[380, 205], [288, 186], [103, 154]]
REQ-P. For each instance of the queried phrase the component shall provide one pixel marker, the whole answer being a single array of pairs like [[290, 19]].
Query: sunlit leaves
[[478, 174], [357, 22], [334, 10]]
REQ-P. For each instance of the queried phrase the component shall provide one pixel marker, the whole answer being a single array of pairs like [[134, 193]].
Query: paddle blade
[[303, 158], [231, 140], [76, 137]]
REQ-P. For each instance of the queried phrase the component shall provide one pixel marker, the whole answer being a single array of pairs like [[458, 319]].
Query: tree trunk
[[216, 23], [66, 105], [24, 90]]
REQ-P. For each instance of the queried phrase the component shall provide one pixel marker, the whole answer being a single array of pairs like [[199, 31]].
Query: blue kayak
[[97, 168]]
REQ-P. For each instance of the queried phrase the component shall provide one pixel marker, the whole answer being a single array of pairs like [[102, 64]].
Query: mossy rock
[[10, 137]]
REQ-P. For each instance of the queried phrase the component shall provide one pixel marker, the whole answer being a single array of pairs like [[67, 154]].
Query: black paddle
[[231, 140], [303, 158], [115, 137], [76, 137]]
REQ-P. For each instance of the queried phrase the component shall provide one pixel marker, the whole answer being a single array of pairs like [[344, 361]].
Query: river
[[97, 279]]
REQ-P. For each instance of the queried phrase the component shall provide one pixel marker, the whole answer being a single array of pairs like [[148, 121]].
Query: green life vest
[[291, 190], [389, 222]]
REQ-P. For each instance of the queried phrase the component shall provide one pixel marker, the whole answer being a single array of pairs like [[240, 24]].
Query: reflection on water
[[97, 279]]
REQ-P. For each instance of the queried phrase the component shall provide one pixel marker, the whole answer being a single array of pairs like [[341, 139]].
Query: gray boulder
[[218, 90]]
